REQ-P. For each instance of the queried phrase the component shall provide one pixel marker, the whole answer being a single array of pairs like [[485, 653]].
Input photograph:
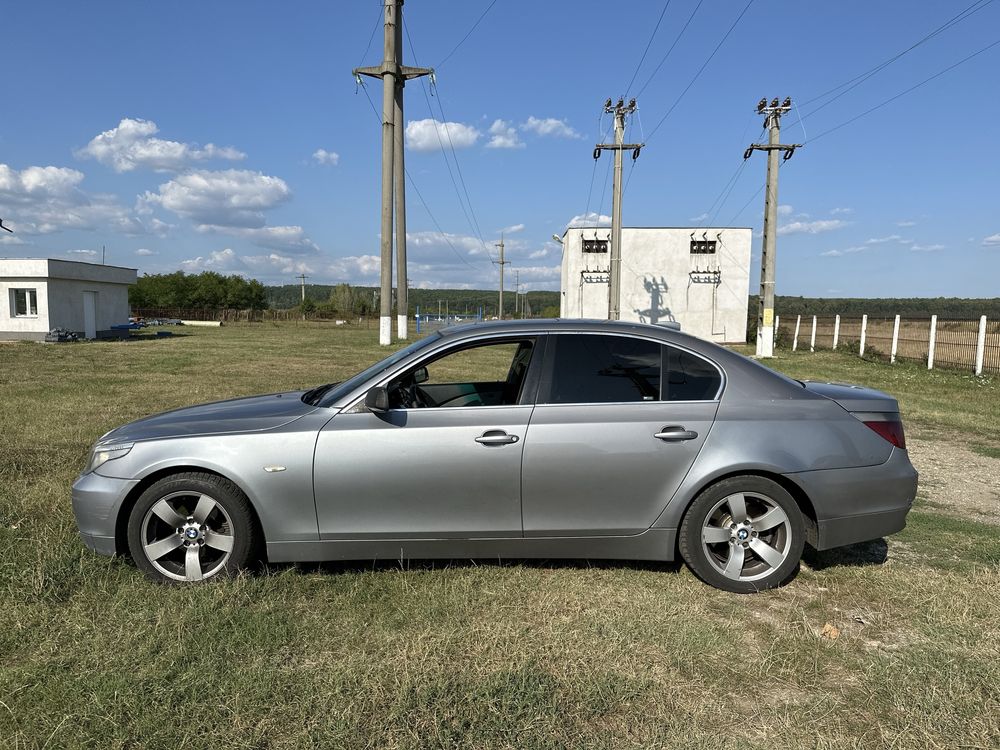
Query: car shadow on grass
[[875, 552], [342, 567]]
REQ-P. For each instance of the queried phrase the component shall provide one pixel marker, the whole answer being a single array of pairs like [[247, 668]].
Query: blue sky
[[231, 136]]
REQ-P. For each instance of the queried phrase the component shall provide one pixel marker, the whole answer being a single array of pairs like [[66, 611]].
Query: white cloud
[[322, 156], [906, 223], [889, 238], [699, 217], [219, 260], [589, 220], [550, 126], [811, 227], [513, 229], [504, 136], [228, 198], [50, 199], [131, 144], [87, 256], [926, 248], [539, 254], [433, 135], [145, 252], [289, 239], [274, 263], [844, 251], [785, 210], [992, 241], [841, 211]]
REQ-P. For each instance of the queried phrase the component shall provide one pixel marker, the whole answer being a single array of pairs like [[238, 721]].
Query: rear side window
[[689, 378], [592, 369]]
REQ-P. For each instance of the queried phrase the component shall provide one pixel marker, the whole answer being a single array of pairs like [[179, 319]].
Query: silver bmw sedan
[[519, 439]]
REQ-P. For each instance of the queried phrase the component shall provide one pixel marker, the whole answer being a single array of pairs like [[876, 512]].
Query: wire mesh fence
[[961, 343]]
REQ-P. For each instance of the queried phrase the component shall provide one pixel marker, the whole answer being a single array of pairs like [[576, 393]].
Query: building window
[[702, 247], [24, 302], [595, 246]]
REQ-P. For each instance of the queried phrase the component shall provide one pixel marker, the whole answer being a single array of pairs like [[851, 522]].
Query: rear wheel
[[190, 527], [743, 534]]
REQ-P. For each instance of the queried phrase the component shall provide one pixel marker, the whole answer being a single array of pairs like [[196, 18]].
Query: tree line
[[206, 290]]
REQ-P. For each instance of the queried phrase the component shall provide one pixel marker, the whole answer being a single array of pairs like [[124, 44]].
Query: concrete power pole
[[302, 277], [517, 291], [772, 121], [394, 76], [619, 111], [501, 263]]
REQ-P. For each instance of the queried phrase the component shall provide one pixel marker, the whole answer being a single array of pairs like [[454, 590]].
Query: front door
[[90, 315], [443, 462], [618, 424]]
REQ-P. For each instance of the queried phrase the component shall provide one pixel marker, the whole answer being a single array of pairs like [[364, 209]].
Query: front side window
[[489, 374], [591, 369], [24, 303]]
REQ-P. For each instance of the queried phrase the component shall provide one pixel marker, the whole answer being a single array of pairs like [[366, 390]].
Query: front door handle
[[496, 437], [676, 432]]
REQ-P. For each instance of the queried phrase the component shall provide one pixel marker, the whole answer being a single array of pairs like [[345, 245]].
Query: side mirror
[[377, 400], [420, 375]]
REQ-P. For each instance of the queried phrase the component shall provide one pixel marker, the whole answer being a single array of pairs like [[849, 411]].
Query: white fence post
[[836, 331], [981, 345], [864, 332], [895, 341], [795, 341], [812, 339], [930, 343], [777, 320]]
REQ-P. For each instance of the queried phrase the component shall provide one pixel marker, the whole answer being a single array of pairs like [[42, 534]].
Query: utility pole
[[619, 111], [517, 291], [772, 121], [501, 263], [302, 277], [394, 76]]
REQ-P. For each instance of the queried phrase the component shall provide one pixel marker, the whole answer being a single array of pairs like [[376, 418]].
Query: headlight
[[101, 454]]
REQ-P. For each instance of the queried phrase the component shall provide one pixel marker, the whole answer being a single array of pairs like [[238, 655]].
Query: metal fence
[[962, 343]]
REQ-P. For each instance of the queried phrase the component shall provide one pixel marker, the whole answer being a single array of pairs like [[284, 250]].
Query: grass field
[[888, 644]]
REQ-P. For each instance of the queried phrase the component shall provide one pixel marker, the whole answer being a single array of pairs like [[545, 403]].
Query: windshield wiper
[[313, 396]]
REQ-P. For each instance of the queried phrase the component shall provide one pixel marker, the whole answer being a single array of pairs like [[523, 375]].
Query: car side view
[[512, 439]]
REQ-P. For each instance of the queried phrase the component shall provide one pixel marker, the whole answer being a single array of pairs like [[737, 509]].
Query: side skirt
[[654, 544]]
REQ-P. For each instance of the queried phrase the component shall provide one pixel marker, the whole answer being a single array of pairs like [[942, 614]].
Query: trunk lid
[[856, 399]]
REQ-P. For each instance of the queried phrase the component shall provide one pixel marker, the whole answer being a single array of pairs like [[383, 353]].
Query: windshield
[[326, 395]]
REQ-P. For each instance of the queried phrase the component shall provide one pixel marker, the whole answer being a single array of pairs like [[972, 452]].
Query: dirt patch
[[955, 479]]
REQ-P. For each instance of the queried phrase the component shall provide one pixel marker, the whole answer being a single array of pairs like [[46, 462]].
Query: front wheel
[[190, 527], [743, 534]]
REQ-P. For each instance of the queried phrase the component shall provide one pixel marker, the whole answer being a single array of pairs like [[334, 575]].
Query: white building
[[699, 278], [39, 294]]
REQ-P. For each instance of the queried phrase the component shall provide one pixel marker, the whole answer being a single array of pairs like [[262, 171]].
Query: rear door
[[618, 423]]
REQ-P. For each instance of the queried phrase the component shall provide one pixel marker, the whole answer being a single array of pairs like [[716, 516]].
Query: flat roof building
[[699, 278], [39, 294]]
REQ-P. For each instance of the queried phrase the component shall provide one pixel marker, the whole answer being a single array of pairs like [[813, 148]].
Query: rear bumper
[[859, 504], [96, 503]]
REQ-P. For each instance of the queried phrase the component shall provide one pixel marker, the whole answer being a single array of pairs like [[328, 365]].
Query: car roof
[[555, 325]]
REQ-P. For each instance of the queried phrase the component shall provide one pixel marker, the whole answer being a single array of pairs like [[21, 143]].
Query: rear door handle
[[496, 437], [676, 432]]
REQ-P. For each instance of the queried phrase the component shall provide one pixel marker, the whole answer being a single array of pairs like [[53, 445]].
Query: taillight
[[891, 431]]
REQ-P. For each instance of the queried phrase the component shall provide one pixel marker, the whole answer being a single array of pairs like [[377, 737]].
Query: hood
[[253, 414], [854, 398]]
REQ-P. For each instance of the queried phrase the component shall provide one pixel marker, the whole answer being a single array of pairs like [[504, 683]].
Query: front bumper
[[859, 504], [96, 503]]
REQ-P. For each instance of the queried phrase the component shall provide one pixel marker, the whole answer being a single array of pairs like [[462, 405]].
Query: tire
[[191, 527], [743, 534]]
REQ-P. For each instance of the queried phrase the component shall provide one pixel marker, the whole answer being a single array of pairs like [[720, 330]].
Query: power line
[[664, 58], [468, 34], [702, 68], [413, 184], [859, 79], [378, 22], [648, 44], [470, 215], [907, 91]]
